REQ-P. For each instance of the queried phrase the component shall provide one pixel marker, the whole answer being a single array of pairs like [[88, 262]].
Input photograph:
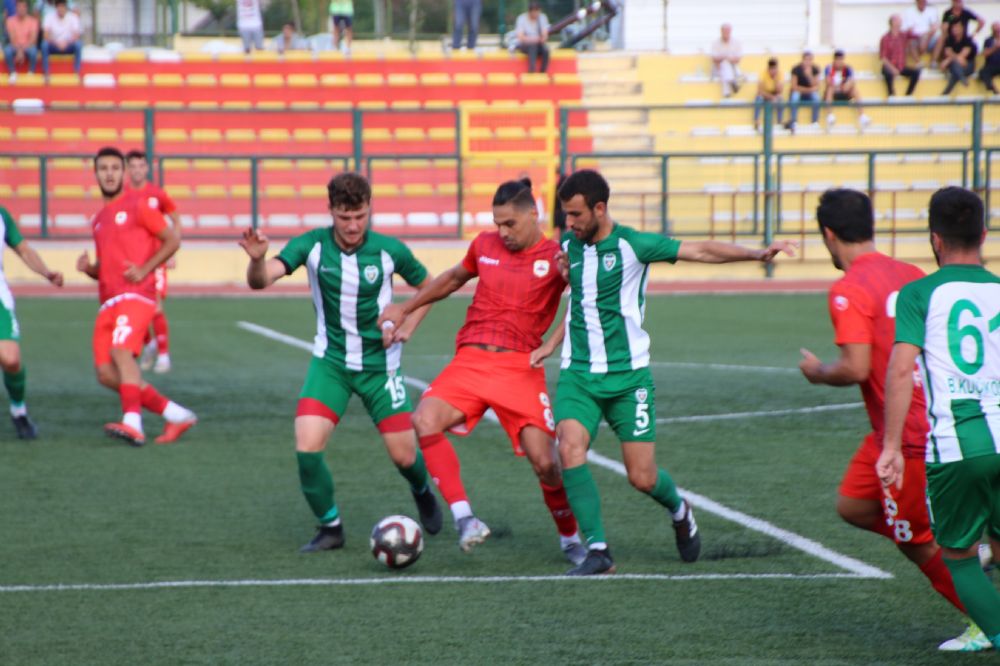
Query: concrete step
[[623, 116], [623, 143], [612, 89], [601, 62], [612, 100]]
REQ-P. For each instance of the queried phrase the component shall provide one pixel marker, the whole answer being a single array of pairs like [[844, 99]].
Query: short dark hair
[[534, 4], [838, 54], [59, 2], [848, 214], [590, 184], [108, 151], [956, 215], [288, 24], [135, 154], [517, 193], [772, 62], [349, 190]]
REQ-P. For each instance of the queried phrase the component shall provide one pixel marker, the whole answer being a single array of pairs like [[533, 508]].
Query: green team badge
[[609, 261], [640, 394], [371, 274]]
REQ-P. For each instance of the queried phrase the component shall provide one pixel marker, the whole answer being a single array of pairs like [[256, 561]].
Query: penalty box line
[[855, 567]]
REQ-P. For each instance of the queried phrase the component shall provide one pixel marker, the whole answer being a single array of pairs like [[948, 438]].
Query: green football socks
[[585, 501], [15, 382], [665, 492], [416, 474], [317, 485], [980, 598]]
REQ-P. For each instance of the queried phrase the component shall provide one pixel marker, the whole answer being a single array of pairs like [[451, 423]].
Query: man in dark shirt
[[991, 58], [805, 82], [957, 13], [959, 61]]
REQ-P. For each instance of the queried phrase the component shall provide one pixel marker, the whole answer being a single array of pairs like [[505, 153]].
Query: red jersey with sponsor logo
[[125, 234], [517, 296], [155, 197], [863, 310]]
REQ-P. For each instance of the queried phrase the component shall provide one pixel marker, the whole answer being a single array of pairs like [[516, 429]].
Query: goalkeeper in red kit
[[515, 302]]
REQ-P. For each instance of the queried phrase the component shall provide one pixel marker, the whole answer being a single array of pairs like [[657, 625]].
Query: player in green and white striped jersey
[[350, 272], [15, 377], [605, 361], [949, 323]]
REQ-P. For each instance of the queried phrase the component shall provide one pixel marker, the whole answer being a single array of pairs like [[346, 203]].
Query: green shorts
[[328, 388], [963, 499], [626, 400], [9, 329]]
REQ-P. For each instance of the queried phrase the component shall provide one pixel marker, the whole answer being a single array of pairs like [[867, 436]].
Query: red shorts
[[477, 380], [121, 322], [905, 510], [160, 276]]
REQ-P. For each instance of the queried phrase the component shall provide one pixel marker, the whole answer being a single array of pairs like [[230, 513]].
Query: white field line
[[857, 568], [403, 580], [747, 415]]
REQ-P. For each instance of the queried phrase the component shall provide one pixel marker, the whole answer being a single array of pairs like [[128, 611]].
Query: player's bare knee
[[425, 422], [10, 359], [547, 472], [106, 376], [642, 480]]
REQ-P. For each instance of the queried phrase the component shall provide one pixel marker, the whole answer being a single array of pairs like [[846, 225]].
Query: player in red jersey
[[862, 307], [156, 353], [131, 239], [515, 301]]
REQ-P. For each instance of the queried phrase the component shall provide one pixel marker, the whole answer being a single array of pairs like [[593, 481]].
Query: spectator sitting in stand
[[769, 89], [532, 30], [958, 12], [841, 87], [726, 54], [921, 25], [342, 24], [289, 40], [892, 50], [959, 61], [991, 58], [61, 36], [22, 33], [805, 88]]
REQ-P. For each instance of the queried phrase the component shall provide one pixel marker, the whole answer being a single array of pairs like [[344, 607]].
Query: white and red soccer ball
[[397, 541]]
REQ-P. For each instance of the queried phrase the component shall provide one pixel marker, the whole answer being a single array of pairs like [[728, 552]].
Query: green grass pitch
[[224, 505]]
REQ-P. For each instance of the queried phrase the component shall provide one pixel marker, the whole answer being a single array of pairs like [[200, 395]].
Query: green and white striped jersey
[[11, 236], [349, 291], [953, 315], [608, 299]]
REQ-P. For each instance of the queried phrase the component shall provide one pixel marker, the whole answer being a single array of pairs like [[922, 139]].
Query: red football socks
[[444, 467], [558, 503]]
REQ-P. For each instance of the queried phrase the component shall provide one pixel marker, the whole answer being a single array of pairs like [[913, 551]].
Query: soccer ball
[[397, 541]]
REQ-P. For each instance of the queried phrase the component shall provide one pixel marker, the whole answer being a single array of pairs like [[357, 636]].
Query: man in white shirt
[[726, 54], [61, 32], [921, 24], [249, 24]]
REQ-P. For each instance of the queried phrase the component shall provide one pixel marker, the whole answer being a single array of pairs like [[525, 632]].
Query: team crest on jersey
[[121, 217], [840, 302], [541, 268], [641, 395], [153, 202], [609, 261], [371, 274]]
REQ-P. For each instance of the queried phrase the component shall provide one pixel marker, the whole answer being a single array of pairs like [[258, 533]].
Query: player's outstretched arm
[[716, 252], [852, 367], [33, 261], [261, 272], [169, 244], [409, 326], [84, 266], [430, 292], [898, 394]]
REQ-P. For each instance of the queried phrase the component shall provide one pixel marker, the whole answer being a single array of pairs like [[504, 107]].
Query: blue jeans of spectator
[[957, 72], [30, 52], [48, 48], [797, 98], [758, 108], [538, 56], [466, 17]]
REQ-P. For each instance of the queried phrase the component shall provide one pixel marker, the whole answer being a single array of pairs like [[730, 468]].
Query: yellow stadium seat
[[203, 105], [6, 191], [414, 164], [64, 104], [180, 191], [133, 80], [130, 56], [480, 133], [30, 80], [207, 135], [298, 56], [409, 134], [109, 134], [481, 189], [274, 134], [237, 104], [441, 133], [235, 80], [280, 192], [195, 56], [372, 105], [6, 162], [439, 104], [339, 134], [68, 191], [268, 80], [210, 191], [501, 79], [239, 191], [308, 134], [172, 80], [330, 56], [404, 104], [167, 104], [384, 190], [312, 165], [535, 79], [447, 188], [510, 133], [202, 80], [231, 57], [566, 78], [302, 80], [368, 80], [376, 134], [208, 165], [171, 134], [133, 134], [240, 134], [131, 104], [63, 164], [276, 165], [99, 104], [497, 55], [462, 55], [468, 79], [264, 56], [28, 191], [337, 105], [67, 134], [304, 106], [435, 79], [313, 191], [274, 105], [402, 80], [417, 189], [64, 80]]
